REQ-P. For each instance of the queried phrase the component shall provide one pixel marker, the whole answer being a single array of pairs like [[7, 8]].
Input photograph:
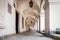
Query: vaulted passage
[[29, 19]]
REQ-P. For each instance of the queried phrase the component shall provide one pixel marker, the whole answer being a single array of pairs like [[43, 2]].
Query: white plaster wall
[[8, 19], [54, 16], [0, 9], [1, 18]]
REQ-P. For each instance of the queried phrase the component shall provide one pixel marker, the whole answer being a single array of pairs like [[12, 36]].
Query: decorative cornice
[[54, 2], [49, 2]]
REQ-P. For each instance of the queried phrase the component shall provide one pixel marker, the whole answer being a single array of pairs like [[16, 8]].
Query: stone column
[[39, 23], [46, 8], [20, 23], [24, 23]]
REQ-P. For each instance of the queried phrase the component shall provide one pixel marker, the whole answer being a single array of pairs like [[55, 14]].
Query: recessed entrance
[[17, 19]]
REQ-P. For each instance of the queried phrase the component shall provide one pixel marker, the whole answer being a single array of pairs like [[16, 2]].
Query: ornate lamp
[[31, 3]]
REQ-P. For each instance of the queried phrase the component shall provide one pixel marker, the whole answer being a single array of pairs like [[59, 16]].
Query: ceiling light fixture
[[31, 3]]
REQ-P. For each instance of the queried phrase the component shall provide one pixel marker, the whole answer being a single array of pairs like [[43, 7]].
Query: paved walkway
[[58, 35], [28, 36]]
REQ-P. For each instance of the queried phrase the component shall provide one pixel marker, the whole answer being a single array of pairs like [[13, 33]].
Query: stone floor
[[28, 36]]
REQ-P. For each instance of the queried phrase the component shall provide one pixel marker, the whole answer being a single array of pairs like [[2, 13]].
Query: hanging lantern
[[31, 3]]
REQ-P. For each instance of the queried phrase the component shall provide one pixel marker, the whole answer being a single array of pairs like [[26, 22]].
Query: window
[[9, 8]]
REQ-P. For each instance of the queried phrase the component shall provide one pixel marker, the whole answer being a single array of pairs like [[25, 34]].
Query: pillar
[[39, 23], [46, 8], [20, 22]]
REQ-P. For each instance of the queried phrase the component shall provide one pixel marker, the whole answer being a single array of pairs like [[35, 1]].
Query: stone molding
[[54, 2]]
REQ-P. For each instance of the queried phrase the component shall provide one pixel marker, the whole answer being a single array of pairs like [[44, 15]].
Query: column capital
[[46, 4]]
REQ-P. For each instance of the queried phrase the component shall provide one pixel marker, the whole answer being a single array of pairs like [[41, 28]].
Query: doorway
[[17, 19]]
